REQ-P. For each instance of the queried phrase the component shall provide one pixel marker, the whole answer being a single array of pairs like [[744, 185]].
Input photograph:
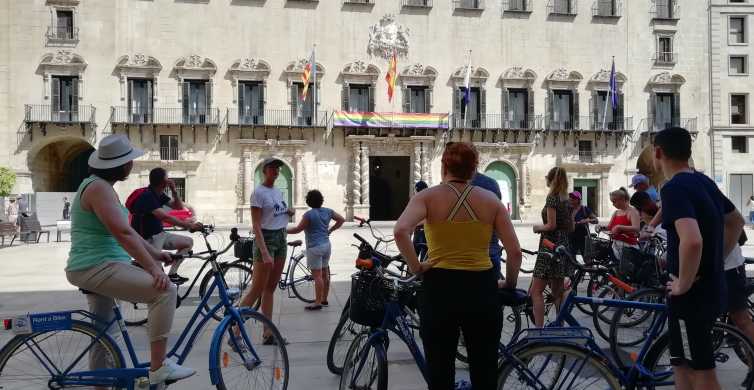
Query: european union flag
[[613, 88]]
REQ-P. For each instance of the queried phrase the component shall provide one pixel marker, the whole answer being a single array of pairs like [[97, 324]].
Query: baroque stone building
[[210, 88]]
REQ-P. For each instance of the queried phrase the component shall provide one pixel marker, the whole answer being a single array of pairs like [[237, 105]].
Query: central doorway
[[388, 186]]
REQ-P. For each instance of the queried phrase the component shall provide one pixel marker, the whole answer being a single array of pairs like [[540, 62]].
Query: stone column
[[248, 180], [417, 162], [298, 176], [524, 180], [426, 169], [356, 172], [365, 175]]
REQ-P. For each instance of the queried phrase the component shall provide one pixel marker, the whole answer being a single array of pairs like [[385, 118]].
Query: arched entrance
[[284, 182], [60, 166], [506, 179]]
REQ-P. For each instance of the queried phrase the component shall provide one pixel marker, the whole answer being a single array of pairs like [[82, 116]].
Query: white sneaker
[[170, 371]]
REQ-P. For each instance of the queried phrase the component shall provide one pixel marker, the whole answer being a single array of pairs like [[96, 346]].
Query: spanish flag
[[307, 75], [391, 77]]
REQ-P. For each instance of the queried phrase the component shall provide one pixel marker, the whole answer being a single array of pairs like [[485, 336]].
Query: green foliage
[[7, 181]]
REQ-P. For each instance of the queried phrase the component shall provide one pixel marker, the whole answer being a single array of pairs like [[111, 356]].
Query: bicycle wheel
[[341, 339], [556, 366], [630, 327], [365, 367], [733, 353], [237, 276], [269, 371], [134, 314], [602, 316], [301, 280], [22, 369]]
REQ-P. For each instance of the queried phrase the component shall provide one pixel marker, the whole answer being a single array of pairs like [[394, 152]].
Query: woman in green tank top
[[102, 245]]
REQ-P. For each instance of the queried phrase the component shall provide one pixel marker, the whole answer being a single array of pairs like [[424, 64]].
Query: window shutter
[[506, 114], [575, 111], [427, 100], [620, 121], [186, 94], [652, 103], [371, 97], [458, 106], [150, 101], [594, 111], [260, 102], [242, 112], [529, 119], [294, 102], [406, 100], [131, 98], [550, 107], [75, 95], [55, 92], [345, 96], [482, 107], [208, 92], [676, 109]]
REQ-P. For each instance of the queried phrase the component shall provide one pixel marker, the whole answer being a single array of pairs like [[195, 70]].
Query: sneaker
[[170, 371], [178, 279]]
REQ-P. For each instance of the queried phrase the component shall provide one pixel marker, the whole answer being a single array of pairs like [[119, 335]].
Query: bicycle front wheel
[[365, 367], [341, 339], [556, 366], [27, 360], [236, 276], [301, 280], [237, 366]]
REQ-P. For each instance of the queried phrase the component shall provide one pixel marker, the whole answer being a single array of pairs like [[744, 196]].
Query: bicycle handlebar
[[564, 252]]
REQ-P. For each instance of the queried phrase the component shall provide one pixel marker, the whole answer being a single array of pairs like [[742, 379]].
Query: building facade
[[210, 88], [732, 129]]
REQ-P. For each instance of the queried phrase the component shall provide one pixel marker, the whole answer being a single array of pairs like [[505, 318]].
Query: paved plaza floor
[[32, 280]]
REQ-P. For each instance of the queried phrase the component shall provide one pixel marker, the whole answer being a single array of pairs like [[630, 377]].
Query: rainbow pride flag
[[389, 119]]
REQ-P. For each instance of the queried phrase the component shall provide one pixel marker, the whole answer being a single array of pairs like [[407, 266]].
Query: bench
[[7, 229], [62, 226], [30, 227]]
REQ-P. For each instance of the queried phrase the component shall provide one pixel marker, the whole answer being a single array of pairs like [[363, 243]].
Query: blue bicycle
[[50, 350]]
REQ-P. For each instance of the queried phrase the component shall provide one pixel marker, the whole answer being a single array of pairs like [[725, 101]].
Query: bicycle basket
[[369, 292], [244, 248], [596, 250]]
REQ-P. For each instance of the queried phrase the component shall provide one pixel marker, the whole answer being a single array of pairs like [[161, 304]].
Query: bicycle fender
[[214, 348]]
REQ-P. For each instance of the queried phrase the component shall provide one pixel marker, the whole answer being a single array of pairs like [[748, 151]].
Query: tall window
[[565, 7], [358, 98], [418, 99], [250, 103], [667, 111], [738, 65], [64, 28], [604, 113], [472, 4], [197, 100], [665, 50], [518, 5], [562, 110], [303, 111], [169, 147], [180, 187], [739, 144], [607, 8], [470, 112], [664, 9], [65, 98], [737, 29], [585, 151], [738, 109], [140, 100], [517, 112]]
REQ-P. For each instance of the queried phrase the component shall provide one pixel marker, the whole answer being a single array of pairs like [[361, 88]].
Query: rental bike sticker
[[42, 322]]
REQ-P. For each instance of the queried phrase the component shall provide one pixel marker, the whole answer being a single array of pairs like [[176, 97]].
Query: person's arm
[[163, 216], [105, 205], [256, 227], [734, 225], [414, 213], [507, 234], [177, 202], [339, 220], [657, 219], [302, 225], [551, 222], [689, 255]]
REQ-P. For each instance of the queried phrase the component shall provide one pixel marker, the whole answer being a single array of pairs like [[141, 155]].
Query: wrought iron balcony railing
[[63, 33], [562, 7], [498, 121], [586, 123], [417, 3], [666, 58], [517, 5], [664, 9], [607, 9], [651, 124], [298, 118], [358, 1], [170, 154], [43, 113], [469, 4], [210, 116]]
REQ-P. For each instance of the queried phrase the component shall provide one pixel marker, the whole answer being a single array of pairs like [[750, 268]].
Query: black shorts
[[736, 281], [690, 331]]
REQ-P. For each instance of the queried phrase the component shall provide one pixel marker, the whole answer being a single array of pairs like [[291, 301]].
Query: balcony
[[664, 10], [666, 58], [469, 5], [43, 113], [62, 34], [358, 2], [607, 9], [590, 123], [166, 116], [289, 118], [522, 6], [498, 121], [169, 154], [562, 7], [650, 124], [417, 3]]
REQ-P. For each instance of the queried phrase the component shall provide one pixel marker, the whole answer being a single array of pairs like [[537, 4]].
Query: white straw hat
[[114, 151]]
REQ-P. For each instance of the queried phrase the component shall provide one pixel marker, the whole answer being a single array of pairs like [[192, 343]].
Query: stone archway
[[505, 175], [60, 165], [284, 182]]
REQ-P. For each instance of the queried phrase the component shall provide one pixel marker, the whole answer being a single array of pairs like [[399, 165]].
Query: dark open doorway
[[388, 186]]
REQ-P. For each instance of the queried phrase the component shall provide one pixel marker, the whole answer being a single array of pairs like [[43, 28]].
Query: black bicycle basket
[[244, 248], [369, 293]]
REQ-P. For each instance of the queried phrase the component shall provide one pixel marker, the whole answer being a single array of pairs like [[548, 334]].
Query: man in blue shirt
[[703, 228], [490, 184], [641, 184]]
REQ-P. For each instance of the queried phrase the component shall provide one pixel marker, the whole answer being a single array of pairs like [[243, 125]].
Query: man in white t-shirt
[[735, 278], [269, 218]]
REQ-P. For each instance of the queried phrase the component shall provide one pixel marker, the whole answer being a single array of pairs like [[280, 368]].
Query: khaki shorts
[[164, 241], [276, 243]]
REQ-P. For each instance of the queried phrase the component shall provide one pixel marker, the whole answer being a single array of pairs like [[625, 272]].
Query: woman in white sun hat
[[102, 245]]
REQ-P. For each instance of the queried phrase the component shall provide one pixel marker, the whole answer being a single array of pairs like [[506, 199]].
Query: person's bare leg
[[538, 300], [268, 294], [319, 286], [743, 322], [704, 380], [326, 280], [259, 279], [682, 378], [158, 351], [557, 288], [183, 245]]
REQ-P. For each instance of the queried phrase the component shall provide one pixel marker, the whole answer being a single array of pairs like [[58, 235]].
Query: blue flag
[[613, 88], [467, 85]]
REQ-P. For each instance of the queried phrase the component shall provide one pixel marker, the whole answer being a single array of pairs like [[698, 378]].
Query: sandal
[[324, 303], [271, 340], [313, 307]]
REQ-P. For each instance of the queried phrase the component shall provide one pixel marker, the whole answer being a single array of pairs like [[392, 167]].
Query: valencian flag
[[310, 71], [391, 77]]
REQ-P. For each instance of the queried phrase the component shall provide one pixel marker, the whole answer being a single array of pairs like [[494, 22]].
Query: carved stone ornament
[[476, 73], [603, 76], [559, 75], [194, 61], [139, 60], [415, 70], [667, 78], [356, 67], [387, 37], [250, 68], [248, 64], [63, 57]]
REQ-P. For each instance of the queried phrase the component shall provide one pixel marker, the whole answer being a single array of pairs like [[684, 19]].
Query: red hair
[[460, 159]]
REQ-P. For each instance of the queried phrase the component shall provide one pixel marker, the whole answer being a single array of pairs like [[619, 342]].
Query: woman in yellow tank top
[[460, 285]]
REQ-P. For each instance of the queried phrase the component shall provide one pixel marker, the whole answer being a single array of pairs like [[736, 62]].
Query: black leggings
[[455, 300]]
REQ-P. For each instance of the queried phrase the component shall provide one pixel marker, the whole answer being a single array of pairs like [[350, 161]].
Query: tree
[[7, 181]]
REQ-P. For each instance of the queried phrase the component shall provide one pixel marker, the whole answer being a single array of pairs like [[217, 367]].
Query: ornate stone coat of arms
[[386, 37]]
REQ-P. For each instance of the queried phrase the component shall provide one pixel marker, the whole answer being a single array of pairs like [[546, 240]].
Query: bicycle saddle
[[295, 243]]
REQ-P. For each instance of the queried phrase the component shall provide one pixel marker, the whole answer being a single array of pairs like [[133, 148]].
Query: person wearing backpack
[[146, 207]]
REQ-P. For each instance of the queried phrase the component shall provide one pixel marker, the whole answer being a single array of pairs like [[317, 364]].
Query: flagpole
[[468, 87], [608, 97]]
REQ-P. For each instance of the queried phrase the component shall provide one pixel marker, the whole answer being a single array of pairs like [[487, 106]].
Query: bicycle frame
[[285, 280]]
